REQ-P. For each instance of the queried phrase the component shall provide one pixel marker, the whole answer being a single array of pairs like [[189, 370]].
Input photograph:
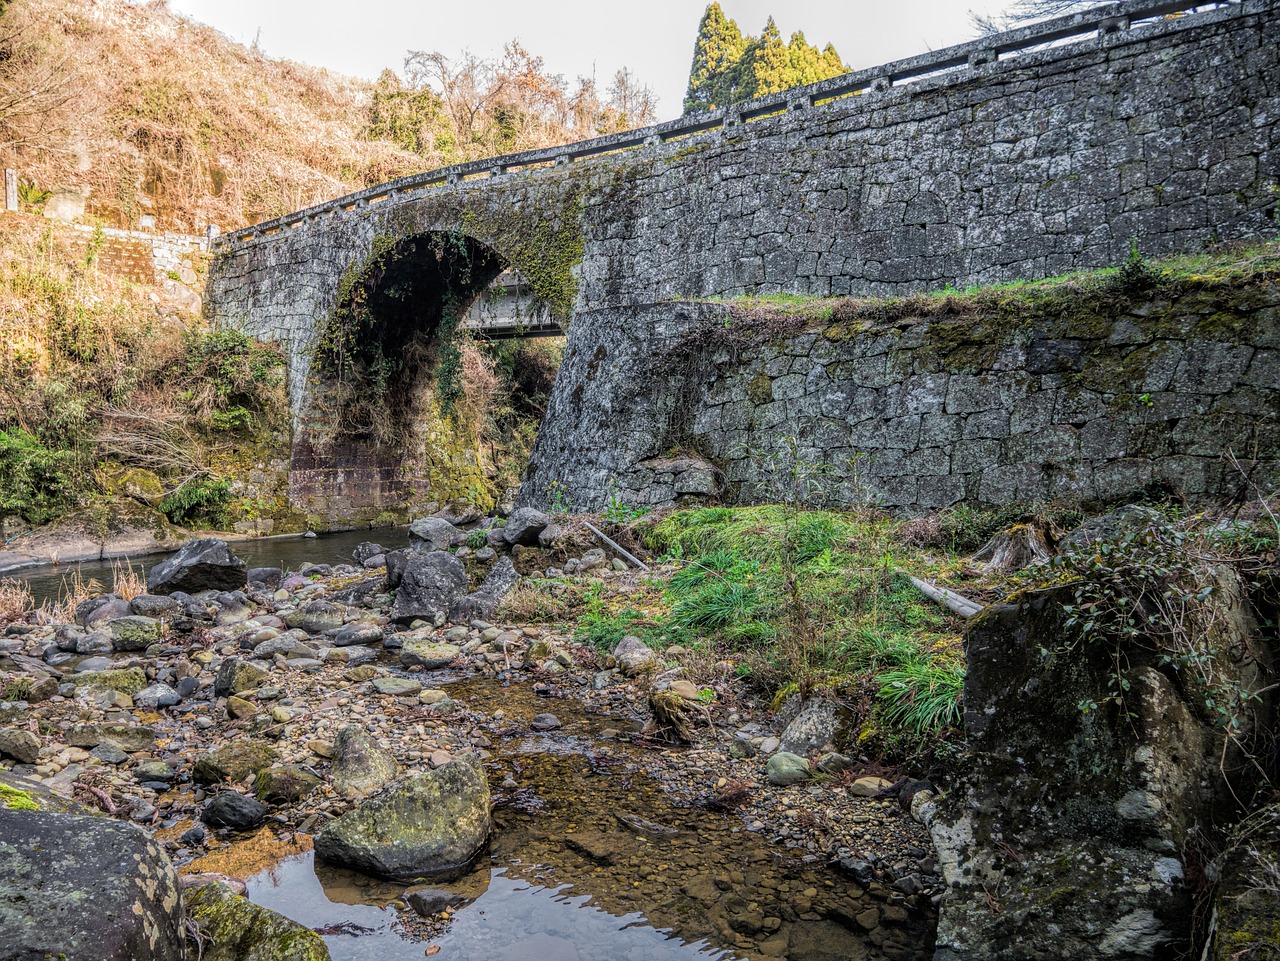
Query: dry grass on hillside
[[155, 114]]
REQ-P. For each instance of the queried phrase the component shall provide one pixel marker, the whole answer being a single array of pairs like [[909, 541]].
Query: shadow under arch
[[385, 428]]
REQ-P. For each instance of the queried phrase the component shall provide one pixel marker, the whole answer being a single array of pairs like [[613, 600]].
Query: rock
[[427, 652], [813, 728], [109, 753], [431, 534], [20, 745], [433, 824], [97, 643], [545, 722], [869, 786], [238, 707], [396, 686], [86, 889], [232, 810], [483, 603], [265, 578], [427, 901], [237, 676], [618, 565], [232, 928], [66, 204], [288, 782], [203, 565], [634, 656], [128, 737], [284, 645], [785, 768], [233, 761], [153, 771], [358, 632], [1247, 912], [316, 617], [1131, 519], [833, 764], [233, 607], [686, 689], [128, 680], [157, 695], [154, 605], [1099, 803], [360, 766], [524, 525], [365, 550], [100, 611], [429, 586]]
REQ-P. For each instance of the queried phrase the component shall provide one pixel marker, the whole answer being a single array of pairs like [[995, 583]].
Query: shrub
[[203, 501]]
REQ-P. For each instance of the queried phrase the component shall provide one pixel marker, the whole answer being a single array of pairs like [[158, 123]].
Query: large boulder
[[432, 534], [429, 585], [233, 928], [204, 565], [127, 737], [359, 765], [433, 824], [1074, 807], [316, 617], [85, 889], [524, 525]]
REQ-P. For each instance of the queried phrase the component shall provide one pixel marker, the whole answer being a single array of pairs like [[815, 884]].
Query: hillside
[[148, 113]]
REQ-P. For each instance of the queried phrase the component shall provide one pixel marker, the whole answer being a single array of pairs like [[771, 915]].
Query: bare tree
[[37, 83], [631, 104]]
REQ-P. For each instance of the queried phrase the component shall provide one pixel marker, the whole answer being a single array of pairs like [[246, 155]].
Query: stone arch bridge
[[1016, 156]]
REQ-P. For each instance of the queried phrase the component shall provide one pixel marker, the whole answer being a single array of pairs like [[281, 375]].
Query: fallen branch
[[614, 544], [949, 599]]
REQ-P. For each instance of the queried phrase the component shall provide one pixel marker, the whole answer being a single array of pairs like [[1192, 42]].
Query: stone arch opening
[[397, 322], [402, 388]]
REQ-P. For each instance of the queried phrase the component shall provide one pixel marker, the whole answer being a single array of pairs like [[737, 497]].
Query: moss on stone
[[128, 680], [232, 928], [16, 800]]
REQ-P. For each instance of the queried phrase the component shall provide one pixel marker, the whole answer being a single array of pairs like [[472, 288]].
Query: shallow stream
[[48, 582], [590, 861]]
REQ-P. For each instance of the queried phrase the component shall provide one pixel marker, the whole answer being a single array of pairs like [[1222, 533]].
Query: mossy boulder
[[288, 782], [360, 766], [233, 928], [1246, 902], [234, 761], [430, 825], [136, 483], [422, 649], [85, 889], [125, 680], [237, 676], [133, 633]]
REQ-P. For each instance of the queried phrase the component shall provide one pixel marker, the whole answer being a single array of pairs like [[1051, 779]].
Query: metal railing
[[1108, 21]]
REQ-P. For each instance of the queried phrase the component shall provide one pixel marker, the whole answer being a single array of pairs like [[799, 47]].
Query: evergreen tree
[[716, 54], [729, 67]]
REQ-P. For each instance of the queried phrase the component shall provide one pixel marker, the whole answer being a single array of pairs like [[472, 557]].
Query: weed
[[15, 600], [922, 698]]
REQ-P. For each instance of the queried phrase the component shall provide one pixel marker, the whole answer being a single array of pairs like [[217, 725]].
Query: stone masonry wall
[[1097, 394]]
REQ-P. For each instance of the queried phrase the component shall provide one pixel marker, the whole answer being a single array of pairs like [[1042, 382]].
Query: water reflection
[[504, 918]]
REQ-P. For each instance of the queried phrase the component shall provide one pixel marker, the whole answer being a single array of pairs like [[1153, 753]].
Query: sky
[[577, 37]]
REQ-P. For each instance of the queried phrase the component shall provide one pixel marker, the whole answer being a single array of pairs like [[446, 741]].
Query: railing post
[[982, 57], [1113, 25], [563, 160], [653, 140], [881, 84], [10, 189]]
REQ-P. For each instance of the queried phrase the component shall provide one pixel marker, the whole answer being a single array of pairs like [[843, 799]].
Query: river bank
[[693, 839]]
